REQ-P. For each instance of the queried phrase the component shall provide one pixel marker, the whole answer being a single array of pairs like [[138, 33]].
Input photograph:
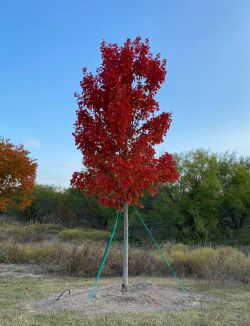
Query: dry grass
[[28, 233], [75, 258], [40, 232], [79, 252], [223, 263]]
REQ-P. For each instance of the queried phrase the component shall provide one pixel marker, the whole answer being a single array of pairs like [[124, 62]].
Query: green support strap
[[157, 246], [104, 258]]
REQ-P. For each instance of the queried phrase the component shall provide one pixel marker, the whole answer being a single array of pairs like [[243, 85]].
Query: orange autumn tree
[[17, 176]]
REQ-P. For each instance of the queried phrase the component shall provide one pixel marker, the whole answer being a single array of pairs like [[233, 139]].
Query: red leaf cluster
[[116, 127]]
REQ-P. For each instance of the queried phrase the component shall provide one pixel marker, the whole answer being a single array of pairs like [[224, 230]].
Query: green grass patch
[[83, 234]]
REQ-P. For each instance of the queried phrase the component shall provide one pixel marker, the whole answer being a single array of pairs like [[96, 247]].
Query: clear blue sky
[[45, 44]]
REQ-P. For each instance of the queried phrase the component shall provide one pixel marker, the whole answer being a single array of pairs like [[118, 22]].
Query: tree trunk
[[125, 249]]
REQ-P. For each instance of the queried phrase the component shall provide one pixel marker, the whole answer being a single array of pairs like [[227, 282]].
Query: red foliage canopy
[[116, 127]]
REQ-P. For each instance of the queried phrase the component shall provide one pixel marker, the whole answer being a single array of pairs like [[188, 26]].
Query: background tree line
[[209, 203]]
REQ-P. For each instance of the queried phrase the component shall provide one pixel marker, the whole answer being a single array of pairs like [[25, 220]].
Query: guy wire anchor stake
[[63, 293]]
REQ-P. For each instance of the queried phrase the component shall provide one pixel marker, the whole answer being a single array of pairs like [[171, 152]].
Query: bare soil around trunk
[[140, 297]]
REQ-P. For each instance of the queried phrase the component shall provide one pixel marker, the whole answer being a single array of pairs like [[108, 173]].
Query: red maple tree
[[116, 128]]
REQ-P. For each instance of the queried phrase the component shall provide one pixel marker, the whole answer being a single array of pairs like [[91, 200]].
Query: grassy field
[[232, 308], [59, 253]]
